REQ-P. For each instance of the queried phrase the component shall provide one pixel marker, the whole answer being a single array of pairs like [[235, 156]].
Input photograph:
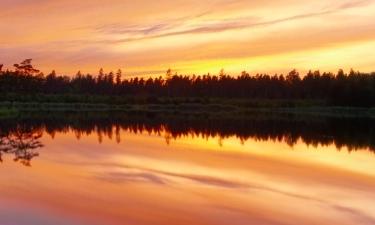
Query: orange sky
[[189, 36]]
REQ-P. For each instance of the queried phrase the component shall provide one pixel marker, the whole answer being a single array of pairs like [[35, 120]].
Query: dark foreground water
[[113, 170]]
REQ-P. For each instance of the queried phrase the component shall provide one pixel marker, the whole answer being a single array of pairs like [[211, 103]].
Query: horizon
[[187, 112], [146, 38], [162, 73]]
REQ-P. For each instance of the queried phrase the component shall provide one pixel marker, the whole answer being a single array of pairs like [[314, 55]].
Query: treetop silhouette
[[352, 89]]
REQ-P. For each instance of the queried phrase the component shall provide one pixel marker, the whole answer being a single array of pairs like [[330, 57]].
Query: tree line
[[342, 89]]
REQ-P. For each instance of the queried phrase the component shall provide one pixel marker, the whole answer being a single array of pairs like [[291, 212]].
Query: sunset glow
[[187, 112], [142, 180], [148, 37]]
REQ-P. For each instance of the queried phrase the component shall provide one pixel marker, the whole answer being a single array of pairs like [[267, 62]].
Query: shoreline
[[214, 110]]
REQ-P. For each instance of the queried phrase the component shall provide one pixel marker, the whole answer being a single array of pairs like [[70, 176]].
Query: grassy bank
[[210, 108], [8, 112]]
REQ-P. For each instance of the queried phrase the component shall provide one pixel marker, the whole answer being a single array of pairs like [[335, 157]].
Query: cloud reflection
[[158, 177]]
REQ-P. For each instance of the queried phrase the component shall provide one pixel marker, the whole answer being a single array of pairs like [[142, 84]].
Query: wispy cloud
[[179, 27], [152, 36], [354, 4]]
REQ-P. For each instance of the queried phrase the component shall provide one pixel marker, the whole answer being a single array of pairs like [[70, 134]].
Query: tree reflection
[[22, 143], [21, 137]]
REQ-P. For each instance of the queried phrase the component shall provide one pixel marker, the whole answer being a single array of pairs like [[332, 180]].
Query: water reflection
[[133, 180], [22, 142], [21, 137]]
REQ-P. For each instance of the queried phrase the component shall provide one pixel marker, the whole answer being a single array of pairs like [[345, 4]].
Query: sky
[[146, 37]]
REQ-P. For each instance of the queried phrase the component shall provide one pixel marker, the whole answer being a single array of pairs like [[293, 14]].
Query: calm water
[[80, 171]]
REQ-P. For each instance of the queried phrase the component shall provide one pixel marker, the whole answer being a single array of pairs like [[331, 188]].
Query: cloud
[[177, 27], [354, 4], [151, 36], [150, 29], [359, 216]]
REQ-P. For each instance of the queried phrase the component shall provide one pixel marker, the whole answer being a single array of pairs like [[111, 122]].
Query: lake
[[113, 170]]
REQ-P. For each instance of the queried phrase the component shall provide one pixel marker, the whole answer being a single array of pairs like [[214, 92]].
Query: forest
[[352, 89]]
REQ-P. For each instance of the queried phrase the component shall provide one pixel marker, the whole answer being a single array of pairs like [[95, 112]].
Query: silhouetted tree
[[26, 68], [118, 77], [353, 89]]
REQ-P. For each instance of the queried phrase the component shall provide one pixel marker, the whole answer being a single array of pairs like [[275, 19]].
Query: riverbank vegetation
[[353, 89]]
